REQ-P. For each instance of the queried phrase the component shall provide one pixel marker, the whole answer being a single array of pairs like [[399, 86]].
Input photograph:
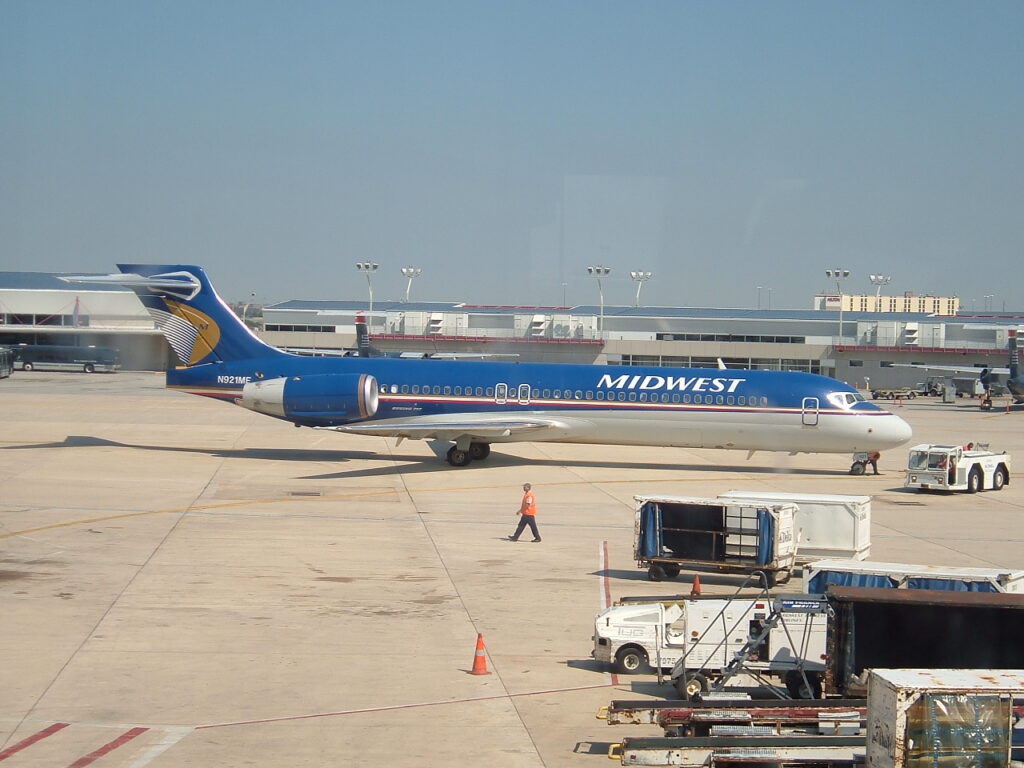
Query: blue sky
[[505, 146]]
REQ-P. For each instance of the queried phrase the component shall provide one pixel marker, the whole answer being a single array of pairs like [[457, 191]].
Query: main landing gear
[[458, 457]]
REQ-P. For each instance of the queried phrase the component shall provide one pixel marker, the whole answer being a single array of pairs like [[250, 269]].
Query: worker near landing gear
[[873, 458], [527, 514]]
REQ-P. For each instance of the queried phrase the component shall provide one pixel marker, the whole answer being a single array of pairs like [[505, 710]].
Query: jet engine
[[317, 400]]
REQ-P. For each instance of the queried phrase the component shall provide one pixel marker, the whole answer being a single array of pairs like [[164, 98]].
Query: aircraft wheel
[[479, 451], [458, 458], [999, 479], [974, 481]]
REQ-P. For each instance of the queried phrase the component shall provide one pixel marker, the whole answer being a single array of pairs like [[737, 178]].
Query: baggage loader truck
[[706, 633]]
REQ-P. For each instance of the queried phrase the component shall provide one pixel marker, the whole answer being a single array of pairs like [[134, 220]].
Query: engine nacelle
[[320, 399]]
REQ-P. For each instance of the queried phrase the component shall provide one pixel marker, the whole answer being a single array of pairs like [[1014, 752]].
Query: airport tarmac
[[186, 583]]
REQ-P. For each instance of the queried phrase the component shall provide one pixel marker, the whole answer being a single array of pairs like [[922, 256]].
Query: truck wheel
[[857, 468], [656, 573], [999, 479], [769, 579], [89, 368], [974, 481], [691, 685], [799, 688], [671, 571], [27, 367], [629, 660]]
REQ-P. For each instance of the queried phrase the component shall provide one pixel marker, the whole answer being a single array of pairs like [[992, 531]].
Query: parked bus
[[6, 362], [52, 357]]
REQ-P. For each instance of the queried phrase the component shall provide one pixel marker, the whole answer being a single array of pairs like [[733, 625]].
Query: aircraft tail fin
[[196, 322]]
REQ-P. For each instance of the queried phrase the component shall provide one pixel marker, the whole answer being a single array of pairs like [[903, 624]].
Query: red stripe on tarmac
[[47, 731], [92, 757], [607, 591]]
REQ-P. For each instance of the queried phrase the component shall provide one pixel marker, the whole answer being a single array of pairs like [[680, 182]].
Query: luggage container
[[961, 718], [827, 525], [856, 573], [672, 533], [918, 629]]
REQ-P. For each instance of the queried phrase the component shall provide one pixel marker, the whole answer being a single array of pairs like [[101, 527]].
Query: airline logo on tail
[[192, 334]]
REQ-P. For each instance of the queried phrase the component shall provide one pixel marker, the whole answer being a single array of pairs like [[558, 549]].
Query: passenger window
[[632, 397], [675, 398], [622, 396], [579, 394], [547, 393], [437, 389], [490, 391], [405, 389]]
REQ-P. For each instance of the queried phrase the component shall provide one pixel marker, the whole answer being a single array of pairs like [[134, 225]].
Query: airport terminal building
[[859, 347]]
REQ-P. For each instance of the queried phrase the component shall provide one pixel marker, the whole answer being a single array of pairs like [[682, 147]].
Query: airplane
[[474, 404], [988, 376]]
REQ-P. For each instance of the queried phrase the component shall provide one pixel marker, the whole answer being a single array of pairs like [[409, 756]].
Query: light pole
[[245, 307], [879, 281], [838, 275], [368, 268], [597, 273], [640, 278], [988, 303], [410, 273], [759, 297]]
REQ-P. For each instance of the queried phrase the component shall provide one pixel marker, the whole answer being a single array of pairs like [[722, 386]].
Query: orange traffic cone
[[480, 658], [696, 585]]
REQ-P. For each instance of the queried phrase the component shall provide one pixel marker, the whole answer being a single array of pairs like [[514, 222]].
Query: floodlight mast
[[640, 276], [597, 273]]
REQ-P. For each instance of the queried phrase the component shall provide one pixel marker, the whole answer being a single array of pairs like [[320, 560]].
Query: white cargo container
[[864, 573], [827, 525], [961, 718]]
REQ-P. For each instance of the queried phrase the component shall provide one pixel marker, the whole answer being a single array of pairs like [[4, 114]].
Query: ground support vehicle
[[736, 750], [834, 717], [672, 533], [772, 637], [956, 468], [820, 574], [874, 628], [894, 393], [939, 717], [707, 632], [827, 525]]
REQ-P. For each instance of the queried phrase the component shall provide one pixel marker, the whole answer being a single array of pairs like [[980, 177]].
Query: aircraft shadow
[[411, 463], [269, 454]]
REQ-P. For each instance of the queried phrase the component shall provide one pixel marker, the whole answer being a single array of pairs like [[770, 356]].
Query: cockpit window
[[845, 399]]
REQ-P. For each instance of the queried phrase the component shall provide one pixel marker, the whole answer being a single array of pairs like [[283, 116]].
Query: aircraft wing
[[954, 368], [452, 428]]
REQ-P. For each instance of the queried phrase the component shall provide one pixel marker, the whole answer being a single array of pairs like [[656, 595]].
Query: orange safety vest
[[529, 506]]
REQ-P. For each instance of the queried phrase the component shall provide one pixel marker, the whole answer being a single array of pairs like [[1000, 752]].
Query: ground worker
[[527, 514], [873, 458]]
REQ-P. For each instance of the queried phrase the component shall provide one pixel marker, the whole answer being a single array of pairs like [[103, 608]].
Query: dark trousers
[[526, 520]]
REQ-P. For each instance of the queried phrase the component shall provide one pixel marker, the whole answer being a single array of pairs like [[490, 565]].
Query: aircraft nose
[[892, 431]]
